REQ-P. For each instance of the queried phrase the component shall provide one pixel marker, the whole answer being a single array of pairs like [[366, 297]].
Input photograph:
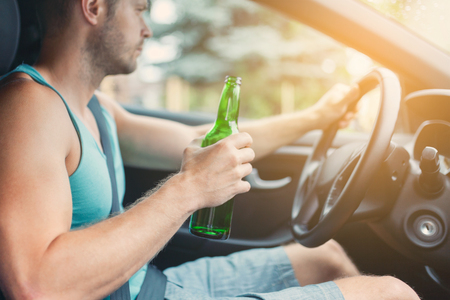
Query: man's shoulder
[[28, 105], [19, 87], [19, 82]]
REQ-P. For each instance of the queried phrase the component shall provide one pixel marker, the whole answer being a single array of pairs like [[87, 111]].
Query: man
[[57, 242]]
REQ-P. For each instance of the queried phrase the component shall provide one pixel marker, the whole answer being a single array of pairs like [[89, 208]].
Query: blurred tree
[[215, 38]]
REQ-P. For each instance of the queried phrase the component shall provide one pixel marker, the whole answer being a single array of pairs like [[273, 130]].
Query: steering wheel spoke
[[309, 178], [306, 195], [339, 185]]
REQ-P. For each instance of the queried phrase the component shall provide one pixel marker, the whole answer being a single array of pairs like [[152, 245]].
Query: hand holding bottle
[[215, 222], [215, 172]]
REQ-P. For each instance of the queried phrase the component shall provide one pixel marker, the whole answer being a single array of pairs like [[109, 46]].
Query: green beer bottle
[[215, 222]]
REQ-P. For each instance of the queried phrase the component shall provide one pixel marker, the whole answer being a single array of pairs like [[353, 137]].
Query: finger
[[349, 116], [346, 119], [352, 95], [357, 107], [246, 155], [240, 140], [193, 146], [245, 169], [242, 187], [343, 124]]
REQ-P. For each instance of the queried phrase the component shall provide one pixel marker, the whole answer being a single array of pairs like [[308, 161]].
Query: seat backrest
[[9, 33], [9, 37]]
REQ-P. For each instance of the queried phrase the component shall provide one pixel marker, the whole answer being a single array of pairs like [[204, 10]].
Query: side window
[[284, 65]]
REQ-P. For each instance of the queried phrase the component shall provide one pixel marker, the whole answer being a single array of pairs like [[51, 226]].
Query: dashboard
[[419, 220], [430, 118]]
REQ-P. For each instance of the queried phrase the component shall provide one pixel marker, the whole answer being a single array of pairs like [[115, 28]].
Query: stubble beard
[[104, 53]]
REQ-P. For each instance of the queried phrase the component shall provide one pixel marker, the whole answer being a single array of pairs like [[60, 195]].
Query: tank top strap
[[36, 76]]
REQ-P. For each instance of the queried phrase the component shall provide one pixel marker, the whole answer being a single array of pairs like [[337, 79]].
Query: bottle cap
[[233, 79]]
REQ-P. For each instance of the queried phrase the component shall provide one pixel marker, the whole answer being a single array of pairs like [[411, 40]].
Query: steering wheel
[[317, 217]]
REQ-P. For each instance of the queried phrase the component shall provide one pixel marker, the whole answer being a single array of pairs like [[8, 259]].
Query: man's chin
[[124, 70], [130, 69]]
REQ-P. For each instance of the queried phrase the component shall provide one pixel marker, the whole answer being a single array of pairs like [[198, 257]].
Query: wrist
[[182, 191], [314, 118]]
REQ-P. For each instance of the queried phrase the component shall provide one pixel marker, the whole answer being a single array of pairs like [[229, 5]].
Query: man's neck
[[70, 71]]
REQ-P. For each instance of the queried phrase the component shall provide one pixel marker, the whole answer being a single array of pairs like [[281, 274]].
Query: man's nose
[[146, 31]]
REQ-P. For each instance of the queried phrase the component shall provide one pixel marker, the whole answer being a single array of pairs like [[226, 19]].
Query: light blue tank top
[[90, 184]]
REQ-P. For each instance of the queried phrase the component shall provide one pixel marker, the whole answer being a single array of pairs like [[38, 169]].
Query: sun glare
[[164, 12]]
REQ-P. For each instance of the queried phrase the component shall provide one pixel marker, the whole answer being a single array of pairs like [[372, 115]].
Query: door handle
[[257, 183]]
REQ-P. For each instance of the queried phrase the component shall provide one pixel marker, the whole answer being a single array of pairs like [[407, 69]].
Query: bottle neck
[[229, 104]]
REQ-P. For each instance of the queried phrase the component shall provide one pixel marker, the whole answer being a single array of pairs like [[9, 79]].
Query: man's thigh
[[323, 291], [253, 274], [257, 270]]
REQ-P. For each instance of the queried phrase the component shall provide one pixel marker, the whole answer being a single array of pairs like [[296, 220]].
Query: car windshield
[[427, 18], [285, 65]]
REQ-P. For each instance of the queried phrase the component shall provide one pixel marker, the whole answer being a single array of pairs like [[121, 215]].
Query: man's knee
[[375, 288], [339, 264], [333, 252], [396, 289], [326, 263]]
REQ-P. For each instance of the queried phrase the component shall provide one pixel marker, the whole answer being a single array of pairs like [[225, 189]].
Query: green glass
[[215, 222]]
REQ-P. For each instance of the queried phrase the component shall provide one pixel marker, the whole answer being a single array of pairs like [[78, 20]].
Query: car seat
[[9, 37], [19, 34], [9, 33]]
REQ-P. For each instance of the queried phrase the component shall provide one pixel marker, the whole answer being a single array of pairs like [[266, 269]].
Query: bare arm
[[157, 143], [149, 142], [40, 257], [271, 133]]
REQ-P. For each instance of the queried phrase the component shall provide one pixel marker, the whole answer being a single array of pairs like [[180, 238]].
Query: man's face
[[119, 41]]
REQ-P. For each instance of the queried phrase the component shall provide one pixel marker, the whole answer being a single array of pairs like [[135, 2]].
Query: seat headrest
[[9, 33]]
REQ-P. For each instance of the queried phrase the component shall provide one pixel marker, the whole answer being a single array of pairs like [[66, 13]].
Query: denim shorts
[[264, 274]]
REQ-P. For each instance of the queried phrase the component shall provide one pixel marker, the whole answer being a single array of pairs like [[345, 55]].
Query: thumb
[[197, 141]]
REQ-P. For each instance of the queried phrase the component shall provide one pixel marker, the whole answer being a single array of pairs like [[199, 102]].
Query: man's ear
[[93, 10]]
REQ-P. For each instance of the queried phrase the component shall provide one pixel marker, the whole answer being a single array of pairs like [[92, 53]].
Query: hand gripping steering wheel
[[315, 217]]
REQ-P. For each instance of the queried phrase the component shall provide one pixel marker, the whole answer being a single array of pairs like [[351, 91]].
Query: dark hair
[[54, 15]]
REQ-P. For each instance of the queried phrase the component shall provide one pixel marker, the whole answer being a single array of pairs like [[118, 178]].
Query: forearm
[[268, 134], [274, 132], [95, 261], [154, 143], [271, 133]]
